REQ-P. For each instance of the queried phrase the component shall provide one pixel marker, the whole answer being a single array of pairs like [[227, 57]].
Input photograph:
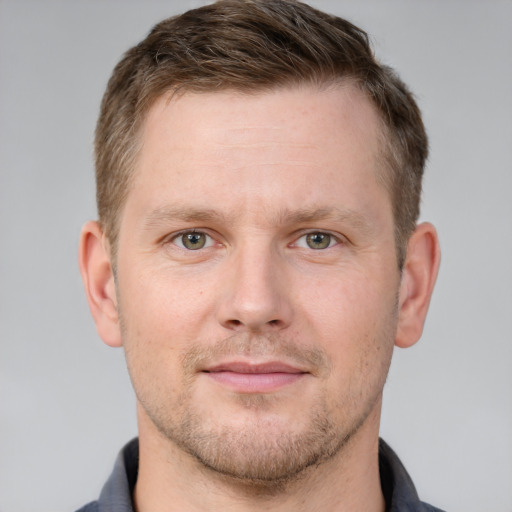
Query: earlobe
[[98, 279], [418, 278]]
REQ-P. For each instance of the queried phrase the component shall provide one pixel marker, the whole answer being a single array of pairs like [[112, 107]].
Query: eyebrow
[[338, 215], [165, 215]]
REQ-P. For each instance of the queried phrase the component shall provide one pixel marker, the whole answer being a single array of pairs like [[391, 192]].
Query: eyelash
[[332, 240]]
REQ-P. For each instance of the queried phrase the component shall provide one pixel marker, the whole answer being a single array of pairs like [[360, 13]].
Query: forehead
[[281, 145], [308, 116], [242, 113]]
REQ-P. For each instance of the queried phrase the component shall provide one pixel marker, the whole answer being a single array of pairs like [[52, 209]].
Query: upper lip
[[248, 367]]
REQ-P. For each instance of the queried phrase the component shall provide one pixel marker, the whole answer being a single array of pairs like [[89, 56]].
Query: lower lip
[[255, 382]]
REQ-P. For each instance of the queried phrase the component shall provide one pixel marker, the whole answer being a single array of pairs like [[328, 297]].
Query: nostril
[[234, 323]]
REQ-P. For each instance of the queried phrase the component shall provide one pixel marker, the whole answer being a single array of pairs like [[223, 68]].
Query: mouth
[[244, 377]]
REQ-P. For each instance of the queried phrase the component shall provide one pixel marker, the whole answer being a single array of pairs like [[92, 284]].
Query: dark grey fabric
[[397, 486], [399, 491]]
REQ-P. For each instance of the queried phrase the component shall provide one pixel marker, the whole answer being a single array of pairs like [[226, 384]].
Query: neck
[[170, 479]]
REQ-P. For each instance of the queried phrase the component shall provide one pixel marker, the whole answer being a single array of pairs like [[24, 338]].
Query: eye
[[317, 240], [193, 240]]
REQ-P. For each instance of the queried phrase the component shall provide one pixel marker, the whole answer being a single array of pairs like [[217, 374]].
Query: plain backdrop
[[66, 404]]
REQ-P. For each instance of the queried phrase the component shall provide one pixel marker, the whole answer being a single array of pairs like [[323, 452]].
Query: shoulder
[[90, 507], [430, 508]]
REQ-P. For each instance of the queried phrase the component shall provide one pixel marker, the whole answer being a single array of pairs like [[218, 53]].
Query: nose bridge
[[255, 297]]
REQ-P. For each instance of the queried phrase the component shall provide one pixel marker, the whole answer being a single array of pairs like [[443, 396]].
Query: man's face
[[257, 277]]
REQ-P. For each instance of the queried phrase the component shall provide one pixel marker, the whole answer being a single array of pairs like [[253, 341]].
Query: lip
[[244, 377]]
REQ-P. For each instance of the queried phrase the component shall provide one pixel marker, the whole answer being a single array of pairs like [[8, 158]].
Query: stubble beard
[[262, 453], [266, 455], [263, 459]]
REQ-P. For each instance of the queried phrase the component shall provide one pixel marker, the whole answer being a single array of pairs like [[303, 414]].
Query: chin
[[261, 449]]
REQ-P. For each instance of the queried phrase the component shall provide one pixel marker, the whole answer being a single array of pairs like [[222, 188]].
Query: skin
[[258, 360]]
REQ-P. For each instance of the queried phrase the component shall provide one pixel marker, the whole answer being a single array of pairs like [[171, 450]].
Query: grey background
[[66, 405]]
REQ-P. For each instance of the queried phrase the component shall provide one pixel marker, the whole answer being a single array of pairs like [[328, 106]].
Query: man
[[258, 256]]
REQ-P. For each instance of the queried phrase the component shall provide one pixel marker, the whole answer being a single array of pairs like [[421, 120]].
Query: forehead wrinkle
[[256, 136], [265, 144]]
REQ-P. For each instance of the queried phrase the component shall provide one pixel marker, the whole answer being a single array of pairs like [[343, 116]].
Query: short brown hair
[[251, 46]]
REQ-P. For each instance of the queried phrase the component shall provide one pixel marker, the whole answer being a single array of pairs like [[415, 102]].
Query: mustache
[[263, 346]]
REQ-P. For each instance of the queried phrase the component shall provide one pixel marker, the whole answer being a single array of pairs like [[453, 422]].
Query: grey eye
[[318, 240]]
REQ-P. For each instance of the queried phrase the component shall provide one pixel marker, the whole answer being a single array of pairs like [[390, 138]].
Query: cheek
[[153, 328], [356, 321], [161, 303]]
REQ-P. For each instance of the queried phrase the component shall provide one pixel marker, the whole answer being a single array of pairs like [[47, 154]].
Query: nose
[[255, 294]]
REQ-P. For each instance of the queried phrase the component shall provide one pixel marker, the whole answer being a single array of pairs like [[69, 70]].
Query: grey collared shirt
[[397, 486]]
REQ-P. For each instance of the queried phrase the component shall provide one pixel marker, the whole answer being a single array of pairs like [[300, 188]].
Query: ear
[[418, 278], [98, 279]]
